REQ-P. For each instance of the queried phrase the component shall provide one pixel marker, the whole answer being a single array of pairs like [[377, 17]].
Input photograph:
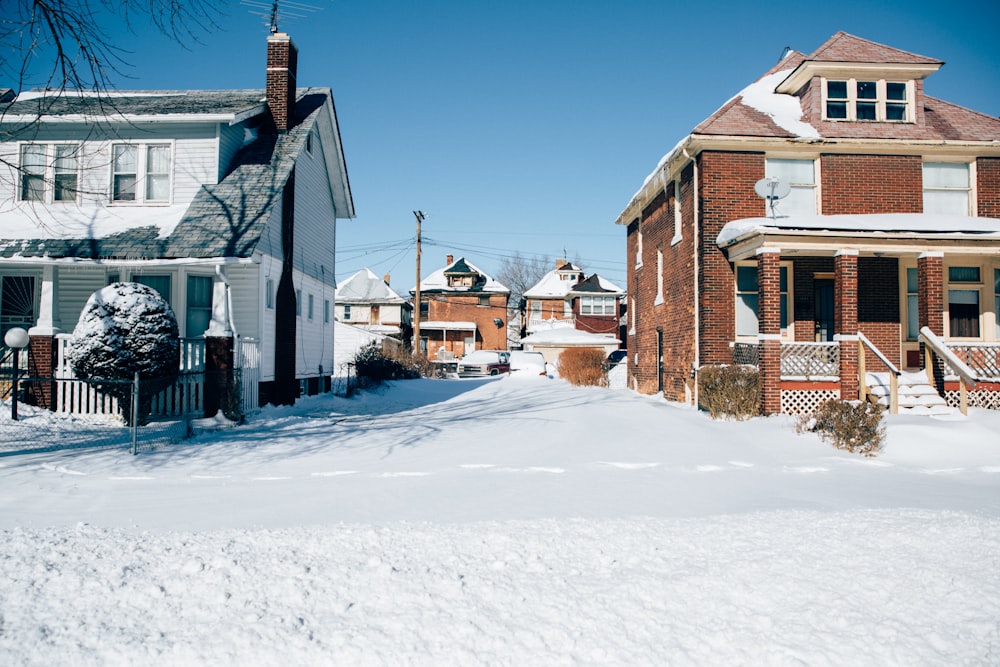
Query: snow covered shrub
[[851, 425], [583, 366], [729, 391], [374, 367], [125, 328]]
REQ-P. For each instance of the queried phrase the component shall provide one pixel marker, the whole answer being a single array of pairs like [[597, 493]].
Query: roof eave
[[807, 69]]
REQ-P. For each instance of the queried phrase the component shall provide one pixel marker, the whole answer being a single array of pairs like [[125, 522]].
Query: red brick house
[[461, 309], [888, 226], [566, 295]]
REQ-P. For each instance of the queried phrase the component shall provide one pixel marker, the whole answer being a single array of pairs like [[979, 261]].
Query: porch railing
[[810, 361], [864, 388], [982, 358], [799, 360], [967, 377]]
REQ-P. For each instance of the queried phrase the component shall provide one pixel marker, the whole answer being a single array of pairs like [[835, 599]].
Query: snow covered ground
[[463, 522]]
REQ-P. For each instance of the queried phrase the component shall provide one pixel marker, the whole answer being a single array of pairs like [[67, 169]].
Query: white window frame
[[347, 312], [143, 174], [638, 245], [298, 303], [326, 311], [269, 293], [968, 189], [50, 172], [881, 101], [678, 222], [969, 286], [659, 276], [796, 202], [309, 310], [788, 330]]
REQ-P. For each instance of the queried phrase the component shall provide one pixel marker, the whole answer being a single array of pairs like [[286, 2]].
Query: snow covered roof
[[928, 224], [448, 326], [137, 105], [568, 337], [365, 287], [767, 109], [438, 281], [554, 284]]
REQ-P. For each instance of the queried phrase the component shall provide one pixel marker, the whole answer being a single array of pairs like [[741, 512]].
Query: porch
[[846, 280], [964, 374]]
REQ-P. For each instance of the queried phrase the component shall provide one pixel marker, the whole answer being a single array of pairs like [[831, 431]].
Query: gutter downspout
[[695, 225]]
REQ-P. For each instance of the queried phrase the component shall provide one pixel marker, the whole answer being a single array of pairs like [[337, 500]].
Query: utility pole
[[416, 305]]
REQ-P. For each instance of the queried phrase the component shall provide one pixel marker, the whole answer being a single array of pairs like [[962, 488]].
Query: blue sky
[[526, 126]]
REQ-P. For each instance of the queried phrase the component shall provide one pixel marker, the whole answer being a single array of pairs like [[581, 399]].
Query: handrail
[[967, 377], [894, 373], [964, 372]]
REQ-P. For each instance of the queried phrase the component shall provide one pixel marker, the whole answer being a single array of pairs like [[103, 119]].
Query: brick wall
[[988, 187], [878, 307], [871, 184], [726, 192], [672, 313], [465, 308]]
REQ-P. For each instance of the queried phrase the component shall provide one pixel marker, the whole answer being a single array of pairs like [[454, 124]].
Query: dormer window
[[878, 100]]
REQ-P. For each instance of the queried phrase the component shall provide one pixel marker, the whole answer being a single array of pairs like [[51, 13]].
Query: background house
[[461, 309], [886, 224], [368, 302], [223, 201], [565, 295]]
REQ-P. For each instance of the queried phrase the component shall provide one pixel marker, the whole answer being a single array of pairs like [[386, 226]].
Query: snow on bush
[[126, 328]]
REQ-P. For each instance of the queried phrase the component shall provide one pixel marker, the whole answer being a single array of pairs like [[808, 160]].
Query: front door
[[824, 311]]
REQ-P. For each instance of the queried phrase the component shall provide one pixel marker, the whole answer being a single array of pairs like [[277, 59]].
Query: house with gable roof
[[832, 224], [224, 201], [565, 296], [461, 309], [364, 300]]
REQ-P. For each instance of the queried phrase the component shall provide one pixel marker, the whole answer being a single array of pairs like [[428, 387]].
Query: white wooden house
[[225, 201]]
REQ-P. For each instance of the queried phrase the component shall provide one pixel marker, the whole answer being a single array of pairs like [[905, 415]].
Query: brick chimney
[[282, 63], [451, 260], [385, 279]]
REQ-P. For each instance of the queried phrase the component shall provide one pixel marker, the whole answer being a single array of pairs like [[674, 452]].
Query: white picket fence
[[186, 396]]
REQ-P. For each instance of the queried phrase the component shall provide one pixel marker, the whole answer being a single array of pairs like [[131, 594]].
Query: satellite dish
[[771, 189]]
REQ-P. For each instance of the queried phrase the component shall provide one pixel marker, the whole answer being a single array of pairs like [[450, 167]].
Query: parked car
[[481, 363], [528, 364]]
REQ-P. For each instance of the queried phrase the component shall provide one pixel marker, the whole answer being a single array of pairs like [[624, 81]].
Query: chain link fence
[[91, 416]]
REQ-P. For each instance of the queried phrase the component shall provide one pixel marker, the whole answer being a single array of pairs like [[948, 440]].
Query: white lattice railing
[[810, 361], [982, 358]]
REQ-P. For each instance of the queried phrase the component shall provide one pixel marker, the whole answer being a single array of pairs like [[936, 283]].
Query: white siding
[[194, 159], [75, 287]]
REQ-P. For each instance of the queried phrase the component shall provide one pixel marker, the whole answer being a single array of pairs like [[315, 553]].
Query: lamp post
[[16, 339]]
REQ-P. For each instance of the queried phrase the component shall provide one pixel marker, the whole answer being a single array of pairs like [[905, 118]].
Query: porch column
[[43, 350], [769, 328], [845, 320], [930, 300], [219, 344]]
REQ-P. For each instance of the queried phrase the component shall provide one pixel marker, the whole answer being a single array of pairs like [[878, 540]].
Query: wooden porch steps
[[916, 395]]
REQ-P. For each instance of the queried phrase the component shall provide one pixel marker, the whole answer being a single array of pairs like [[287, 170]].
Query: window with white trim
[[298, 303], [678, 223], [912, 304], [347, 312], [269, 293], [638, 245], [597, 305], [309, 311], [140, 173], [326, 311], [801, 176], [877, 100], [659, 276], [50, 173], [947, 187], [747, 298], [199, 305], [963, 301]]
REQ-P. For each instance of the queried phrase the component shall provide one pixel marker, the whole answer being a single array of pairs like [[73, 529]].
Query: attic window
[[309, 143], [877, 100], [460, 281]]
